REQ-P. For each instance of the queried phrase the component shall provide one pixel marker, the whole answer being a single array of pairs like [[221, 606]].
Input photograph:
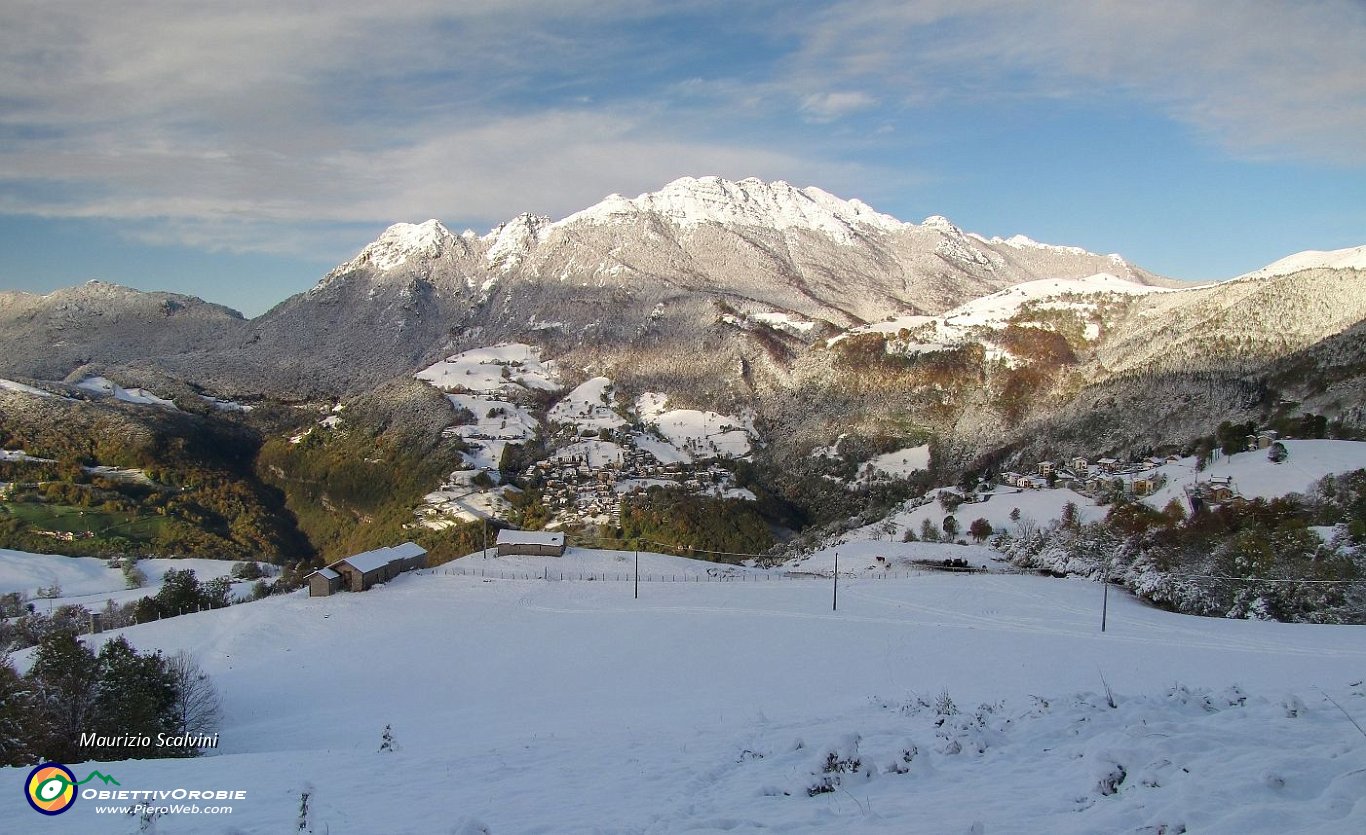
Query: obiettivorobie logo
[[51, 787]]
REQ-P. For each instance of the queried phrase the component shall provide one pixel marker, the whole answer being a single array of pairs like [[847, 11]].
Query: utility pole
[[835, 600], [637, 573], [1105, 596]]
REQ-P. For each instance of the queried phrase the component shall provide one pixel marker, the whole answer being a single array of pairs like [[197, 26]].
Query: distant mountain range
[[816, 316], [608, 274]]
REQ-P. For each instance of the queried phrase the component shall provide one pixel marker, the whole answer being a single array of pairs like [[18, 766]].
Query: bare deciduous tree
[[197, 705]]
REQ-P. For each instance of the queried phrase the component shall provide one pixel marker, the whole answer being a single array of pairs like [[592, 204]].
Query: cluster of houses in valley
[[1262, 440], [575, 491], [1204, 495], [1108, 477], [363, 571], [1105, 477]]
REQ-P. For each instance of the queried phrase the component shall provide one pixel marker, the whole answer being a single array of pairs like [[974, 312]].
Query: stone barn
[[365, 570], [414, 556], [362, 571], [530, 543], [323, 582]]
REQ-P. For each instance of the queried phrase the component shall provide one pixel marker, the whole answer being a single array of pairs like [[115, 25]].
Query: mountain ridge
[[812, 322]]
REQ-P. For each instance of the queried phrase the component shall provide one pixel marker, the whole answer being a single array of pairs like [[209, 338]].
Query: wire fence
[[555, 575]]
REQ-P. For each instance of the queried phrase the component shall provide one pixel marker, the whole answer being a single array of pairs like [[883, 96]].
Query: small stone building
[[324, 582], [362, 571], [530, 543]]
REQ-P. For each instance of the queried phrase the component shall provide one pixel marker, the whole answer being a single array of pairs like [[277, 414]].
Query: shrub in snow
[[840, 760], [1111, 777], [902, 763], [974, 732], [305, 798]]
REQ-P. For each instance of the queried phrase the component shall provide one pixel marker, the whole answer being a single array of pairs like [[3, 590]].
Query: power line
[[1260, 579]]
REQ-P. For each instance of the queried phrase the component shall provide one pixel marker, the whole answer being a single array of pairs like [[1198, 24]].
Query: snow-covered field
[[936, 703], [108, 388], [1256, 476], [897, 464], [90, 582], [490, 369], [591, 406]]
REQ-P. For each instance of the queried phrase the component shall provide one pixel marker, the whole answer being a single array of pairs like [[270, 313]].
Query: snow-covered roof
[[327, 573], [530, 538], [368, 561], [406, 551]]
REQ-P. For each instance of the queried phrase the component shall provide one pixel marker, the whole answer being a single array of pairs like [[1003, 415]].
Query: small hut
[[323, 582], [530, 543]]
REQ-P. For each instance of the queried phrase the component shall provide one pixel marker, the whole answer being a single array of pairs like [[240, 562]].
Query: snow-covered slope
[[590, 407], [89, 581], [491, 369], [937, 703], [108, 388], [992, 312], [491, 390], [23, 388], [1253, 475], [1352, 258]]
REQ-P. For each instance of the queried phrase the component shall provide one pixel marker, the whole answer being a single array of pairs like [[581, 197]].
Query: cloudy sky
[[237, 150]]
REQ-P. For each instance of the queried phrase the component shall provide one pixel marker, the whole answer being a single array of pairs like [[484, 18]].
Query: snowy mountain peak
[[401, 242], [941, 223], [509, 241], [1352, 258], [693, 201], [1026, 242]]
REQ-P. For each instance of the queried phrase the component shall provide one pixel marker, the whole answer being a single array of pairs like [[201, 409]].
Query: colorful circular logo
[[51, 788]]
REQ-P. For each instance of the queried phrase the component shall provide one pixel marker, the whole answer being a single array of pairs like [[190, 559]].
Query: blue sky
[[237, 151]]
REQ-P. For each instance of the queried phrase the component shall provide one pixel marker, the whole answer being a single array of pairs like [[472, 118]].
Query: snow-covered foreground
[[533, 706]]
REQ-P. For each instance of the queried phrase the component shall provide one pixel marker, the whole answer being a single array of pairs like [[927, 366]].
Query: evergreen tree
[[1071, 515], [65, 677], [180, 593], [135, 696], [16, 716]]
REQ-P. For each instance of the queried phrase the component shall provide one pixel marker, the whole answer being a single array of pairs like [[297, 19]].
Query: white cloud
[[254, 125], [247, 126], [554, 162], [833, 105], [1260, 77]]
